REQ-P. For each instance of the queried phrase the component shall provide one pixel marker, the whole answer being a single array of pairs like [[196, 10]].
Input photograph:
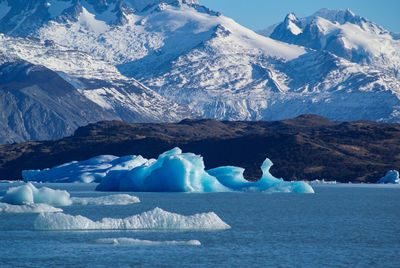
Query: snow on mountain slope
[[149, 42], [240, 83], [344, 34], [36, 103], [85, 90], [197, 58]]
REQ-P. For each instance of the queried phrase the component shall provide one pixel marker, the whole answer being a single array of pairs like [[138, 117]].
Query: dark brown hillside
[[307, 147]]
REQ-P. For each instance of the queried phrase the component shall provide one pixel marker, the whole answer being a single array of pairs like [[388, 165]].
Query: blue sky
[[259, 14]]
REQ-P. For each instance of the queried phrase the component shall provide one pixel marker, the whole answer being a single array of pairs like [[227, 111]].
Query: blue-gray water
[[339, 225]]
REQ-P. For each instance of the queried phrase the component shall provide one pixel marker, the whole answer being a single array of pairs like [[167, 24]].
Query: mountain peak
[[349, 12], [341, 16], [141, 5], [291, 16]]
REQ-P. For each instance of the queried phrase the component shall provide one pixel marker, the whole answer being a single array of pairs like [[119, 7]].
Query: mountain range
[[67, 63]]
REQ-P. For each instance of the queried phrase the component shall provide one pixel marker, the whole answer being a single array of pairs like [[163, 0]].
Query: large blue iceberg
[[173, 171], [392, 176]]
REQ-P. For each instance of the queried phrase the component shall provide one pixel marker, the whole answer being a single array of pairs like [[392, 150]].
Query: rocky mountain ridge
[[154, 60]]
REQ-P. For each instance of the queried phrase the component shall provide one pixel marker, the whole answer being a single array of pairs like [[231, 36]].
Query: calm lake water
[[338, 226]]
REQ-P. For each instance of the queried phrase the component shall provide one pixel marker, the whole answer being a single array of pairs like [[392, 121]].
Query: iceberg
[[232, 178], [132, 241], [392, 176], [30, 208], [29, 194], [156, 219], [92, 170], [108, 200], [175, 171]]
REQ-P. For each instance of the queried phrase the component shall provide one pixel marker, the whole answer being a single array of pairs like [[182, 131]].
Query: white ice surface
[[30, 208], [29, 194], [156, 219], [132, 241], [117, 199]]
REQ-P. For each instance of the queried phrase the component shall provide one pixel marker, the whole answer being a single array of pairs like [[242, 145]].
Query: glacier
[[132, 241], [392, 176], [156, 219]]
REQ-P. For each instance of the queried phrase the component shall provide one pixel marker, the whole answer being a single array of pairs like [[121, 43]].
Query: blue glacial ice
[[173, 171], [232, 178], [92, 170], [156, 219], [29, 196], [392, 176], [135, 242]]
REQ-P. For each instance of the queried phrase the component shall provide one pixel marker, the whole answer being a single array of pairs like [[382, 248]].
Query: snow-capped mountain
[[37, 103], [147, 60], [344, 34]]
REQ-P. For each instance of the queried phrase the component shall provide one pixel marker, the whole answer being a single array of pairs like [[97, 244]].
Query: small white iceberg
[[108, 200], [30, 208], [28, 194], [156, 219], [132, 241]]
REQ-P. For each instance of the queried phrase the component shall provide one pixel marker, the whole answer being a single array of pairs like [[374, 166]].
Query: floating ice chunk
[[31, 208], [156, 219], [92, 170], [29, 194], [117, 199], [232, 177], [175, 171], [392, 176], [132, 241], [322, 182]]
